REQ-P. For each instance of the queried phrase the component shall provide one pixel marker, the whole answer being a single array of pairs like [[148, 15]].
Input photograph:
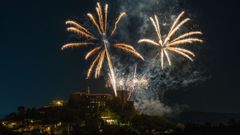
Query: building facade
[[89, 100]]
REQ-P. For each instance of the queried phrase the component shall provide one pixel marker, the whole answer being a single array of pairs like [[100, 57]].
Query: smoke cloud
[[153, 107]]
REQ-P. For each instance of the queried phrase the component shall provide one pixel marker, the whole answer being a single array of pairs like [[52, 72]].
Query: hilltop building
[[89, 100]]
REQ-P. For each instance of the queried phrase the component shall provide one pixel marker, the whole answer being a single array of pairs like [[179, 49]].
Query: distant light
[[59, 103], [59, 124], [48, 128]]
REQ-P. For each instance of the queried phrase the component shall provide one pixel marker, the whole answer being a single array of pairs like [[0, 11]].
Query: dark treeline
[[232, 127]]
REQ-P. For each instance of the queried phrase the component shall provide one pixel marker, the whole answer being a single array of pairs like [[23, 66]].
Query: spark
[[78, 26], [73, 45], [80, 32], [92, 52], [130, 49], [101, 50], [131, 82], [118, 20], [168, 44]]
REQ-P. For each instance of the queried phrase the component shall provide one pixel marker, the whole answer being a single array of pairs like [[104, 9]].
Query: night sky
[[34, 70]]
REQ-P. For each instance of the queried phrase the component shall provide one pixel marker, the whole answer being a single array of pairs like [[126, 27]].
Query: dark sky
[[34, 70]]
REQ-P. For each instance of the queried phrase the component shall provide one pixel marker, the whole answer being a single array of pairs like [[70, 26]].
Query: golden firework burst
[[102, 50], [168, 44]]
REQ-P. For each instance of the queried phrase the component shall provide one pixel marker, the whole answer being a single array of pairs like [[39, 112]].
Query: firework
[[102, 50], [136, 81], [131, 82], [168, 44]]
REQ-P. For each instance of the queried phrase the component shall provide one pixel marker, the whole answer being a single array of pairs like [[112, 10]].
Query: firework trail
[[102, 51], [130, 82], [168, 44], [136, 81]]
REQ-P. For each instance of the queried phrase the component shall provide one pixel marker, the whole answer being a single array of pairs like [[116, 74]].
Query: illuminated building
[[89, 100], [109, 120], [57, 102]]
